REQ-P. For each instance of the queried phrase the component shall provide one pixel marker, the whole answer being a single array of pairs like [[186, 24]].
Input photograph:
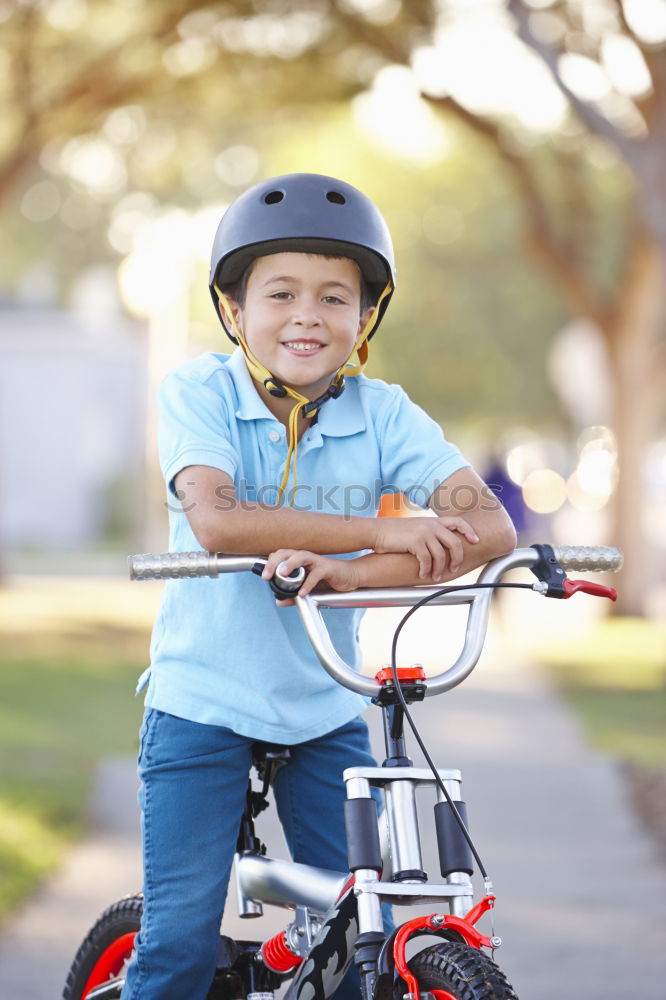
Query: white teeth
[[299, 346]]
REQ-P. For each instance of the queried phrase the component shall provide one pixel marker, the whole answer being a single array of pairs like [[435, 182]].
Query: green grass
[[66, 701], [615, 677]]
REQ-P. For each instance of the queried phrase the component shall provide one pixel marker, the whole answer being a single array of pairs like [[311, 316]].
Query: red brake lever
[[587, 587]]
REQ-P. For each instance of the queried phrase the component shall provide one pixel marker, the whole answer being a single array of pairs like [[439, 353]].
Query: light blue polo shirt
[[222, 652]]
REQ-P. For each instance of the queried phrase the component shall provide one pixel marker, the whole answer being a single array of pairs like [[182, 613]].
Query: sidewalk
[[581, 895]]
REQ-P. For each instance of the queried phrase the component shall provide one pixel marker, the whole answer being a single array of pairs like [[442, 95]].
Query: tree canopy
[[113, 108]]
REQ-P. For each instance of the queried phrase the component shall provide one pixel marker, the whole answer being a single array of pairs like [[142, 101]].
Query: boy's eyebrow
[[334, 283]]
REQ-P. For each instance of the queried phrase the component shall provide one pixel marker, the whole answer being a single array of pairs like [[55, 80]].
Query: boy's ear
[[364, 319], [236, 310]]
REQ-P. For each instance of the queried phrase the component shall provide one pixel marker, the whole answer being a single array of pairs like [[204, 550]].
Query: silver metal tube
[[247, 907], [453, 788], [404, 892], [357, 787], [403, 827], [385, 846], [479, 606], [369, 904], [192, 564], [383, 776], [459, 906], [320, 640], [286, 883], [186, 565], [394, 597]]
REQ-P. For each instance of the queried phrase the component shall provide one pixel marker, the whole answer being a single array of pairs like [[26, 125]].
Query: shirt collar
[[344, 415], [250, 404], [337, 417]]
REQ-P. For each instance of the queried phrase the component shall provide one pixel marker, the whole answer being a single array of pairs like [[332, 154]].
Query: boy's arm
[[462, 493], [221, 522]]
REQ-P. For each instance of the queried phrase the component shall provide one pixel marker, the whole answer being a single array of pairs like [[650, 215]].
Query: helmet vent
[[273, 197], [336, 197]]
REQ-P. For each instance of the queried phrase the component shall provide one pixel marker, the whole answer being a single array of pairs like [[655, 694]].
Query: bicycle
[[337, 915]]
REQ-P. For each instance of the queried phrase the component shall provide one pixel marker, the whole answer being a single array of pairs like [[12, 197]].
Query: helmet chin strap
[[354, 365]]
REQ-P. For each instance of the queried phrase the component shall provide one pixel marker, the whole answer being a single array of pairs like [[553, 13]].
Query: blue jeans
[[194, 779]]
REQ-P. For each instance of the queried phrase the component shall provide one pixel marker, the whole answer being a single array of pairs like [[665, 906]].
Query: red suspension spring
[[277, 954]]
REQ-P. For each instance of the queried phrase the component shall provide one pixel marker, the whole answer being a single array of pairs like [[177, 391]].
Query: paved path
[[581, 896]]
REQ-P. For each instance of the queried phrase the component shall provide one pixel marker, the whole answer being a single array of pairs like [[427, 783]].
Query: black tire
[[102, 942], [462, 971]]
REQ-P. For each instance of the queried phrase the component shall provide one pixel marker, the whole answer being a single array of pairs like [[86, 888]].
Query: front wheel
[[453, 971], [106, 950]]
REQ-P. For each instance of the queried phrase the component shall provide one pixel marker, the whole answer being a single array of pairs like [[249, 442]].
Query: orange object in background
[[393, 505]]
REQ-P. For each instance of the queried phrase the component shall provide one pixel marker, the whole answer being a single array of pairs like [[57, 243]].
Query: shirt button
[[274, 436]]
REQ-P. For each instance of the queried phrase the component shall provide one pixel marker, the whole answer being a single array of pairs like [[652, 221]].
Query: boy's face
[[302, 317]]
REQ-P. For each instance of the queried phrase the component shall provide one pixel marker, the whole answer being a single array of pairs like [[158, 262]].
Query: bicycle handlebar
[[180, 565]]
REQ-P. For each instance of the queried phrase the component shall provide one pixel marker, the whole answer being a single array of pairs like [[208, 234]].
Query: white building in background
[[72, 424]]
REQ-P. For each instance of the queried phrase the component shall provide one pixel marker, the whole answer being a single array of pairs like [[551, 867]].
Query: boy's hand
[[339, 574], [435, 541]]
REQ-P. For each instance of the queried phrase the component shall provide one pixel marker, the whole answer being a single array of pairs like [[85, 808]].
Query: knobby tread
[[120, 918], [461, 970]]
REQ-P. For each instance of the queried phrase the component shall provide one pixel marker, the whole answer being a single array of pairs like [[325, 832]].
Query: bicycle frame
[[334, 909], [338, 916]]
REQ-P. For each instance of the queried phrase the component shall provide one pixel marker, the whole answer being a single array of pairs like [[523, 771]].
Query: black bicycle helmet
[[304, 213]]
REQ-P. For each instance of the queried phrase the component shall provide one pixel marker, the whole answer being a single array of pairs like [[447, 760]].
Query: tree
[[206, 69], [630, 311], [70, 64]]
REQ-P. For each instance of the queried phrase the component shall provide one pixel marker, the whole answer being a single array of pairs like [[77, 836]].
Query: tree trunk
[[633, 343]]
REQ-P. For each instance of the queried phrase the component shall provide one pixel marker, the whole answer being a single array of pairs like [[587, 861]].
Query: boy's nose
[[306, 314]]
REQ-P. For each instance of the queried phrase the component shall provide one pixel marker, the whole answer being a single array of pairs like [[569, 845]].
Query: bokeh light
[[124, 126], [544, 491], [66, 15], [625, 66], [596, 473], [129, 215], [376, 11], [192, 55], [647, 18], [41, 202], [94, 163], [532, 454], [159, 267], [237, 165], [512, 77], [395, 113]]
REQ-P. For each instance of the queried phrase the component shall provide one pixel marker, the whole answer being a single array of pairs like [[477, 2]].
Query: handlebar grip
[[594, 558], [172, 565]]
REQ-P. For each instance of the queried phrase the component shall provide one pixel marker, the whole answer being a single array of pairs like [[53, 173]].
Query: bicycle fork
[[318, 952]]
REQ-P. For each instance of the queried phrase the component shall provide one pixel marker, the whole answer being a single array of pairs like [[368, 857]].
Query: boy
[[278, 451]]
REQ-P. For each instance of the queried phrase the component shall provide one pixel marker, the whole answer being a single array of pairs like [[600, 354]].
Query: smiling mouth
[[303, 347]]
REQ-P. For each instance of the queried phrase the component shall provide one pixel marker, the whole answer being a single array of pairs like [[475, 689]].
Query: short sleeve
[[415, 455], [193, 428]]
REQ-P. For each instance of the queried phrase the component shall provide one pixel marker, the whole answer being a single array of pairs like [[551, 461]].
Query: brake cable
[[412, 724]]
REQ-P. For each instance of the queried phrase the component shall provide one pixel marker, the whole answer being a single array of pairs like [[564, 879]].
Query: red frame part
[[464, 926], [110, 962]]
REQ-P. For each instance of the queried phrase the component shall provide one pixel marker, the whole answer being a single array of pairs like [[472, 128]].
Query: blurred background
[[517, 149]]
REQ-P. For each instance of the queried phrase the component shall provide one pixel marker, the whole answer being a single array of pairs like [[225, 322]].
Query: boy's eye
[[281, 295], [333, 300]]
